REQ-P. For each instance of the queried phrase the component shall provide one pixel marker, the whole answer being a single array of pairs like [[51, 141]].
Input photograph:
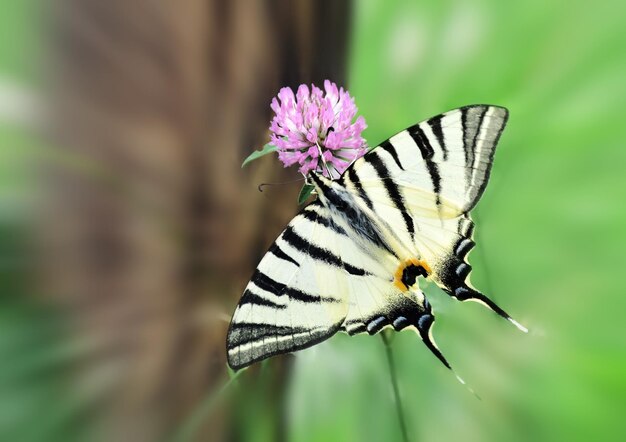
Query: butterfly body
[[352, 260]]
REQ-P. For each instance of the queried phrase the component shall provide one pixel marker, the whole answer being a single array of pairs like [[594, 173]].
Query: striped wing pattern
[[445, 160], [295, 297], [425, 180], [314, 281], [332, 268], [299, 294]]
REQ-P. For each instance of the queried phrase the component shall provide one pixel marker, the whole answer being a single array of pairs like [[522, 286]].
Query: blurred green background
[[551, 233], [551, 228]]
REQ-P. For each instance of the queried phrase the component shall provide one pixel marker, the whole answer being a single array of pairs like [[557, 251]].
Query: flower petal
[[314, 121]]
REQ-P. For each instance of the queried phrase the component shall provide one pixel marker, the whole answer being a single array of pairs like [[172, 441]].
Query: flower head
[[316, 129]]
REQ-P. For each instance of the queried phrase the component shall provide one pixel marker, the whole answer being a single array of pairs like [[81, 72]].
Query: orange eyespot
[[407, 272]]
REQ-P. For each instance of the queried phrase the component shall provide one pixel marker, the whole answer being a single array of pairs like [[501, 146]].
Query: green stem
[[385, 335]]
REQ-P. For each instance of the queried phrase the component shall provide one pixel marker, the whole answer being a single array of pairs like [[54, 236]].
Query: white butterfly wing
[[314, 281], [424, 181], [295, 298]]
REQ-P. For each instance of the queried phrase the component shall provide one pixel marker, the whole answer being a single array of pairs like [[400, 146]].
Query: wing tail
[[453, 273], [380, 305], [424, 329]]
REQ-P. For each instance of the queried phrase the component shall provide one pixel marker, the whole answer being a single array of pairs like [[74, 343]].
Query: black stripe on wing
[[388, 147], [280, 253], [427, 151], [264, 282], [465, 143], [393, 191], [354, 179], [418, 135], [242, 333], [266, 340], [319, 253], [250, 297], [493, 125], [435, 126], [473, 117], [314, 216]]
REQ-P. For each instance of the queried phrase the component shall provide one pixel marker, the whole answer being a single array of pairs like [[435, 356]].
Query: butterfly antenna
[[262, 185]]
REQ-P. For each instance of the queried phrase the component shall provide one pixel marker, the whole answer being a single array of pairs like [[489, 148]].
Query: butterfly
[[352, 259]]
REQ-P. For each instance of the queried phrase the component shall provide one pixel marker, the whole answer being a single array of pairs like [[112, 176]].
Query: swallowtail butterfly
[[351, 260]]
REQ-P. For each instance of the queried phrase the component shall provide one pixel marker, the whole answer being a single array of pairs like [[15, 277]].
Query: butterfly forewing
[[296, 296], [447, 158], [426, 179]]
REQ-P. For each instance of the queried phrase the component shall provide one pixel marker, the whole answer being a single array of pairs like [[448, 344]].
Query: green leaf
[[305, 193], [268, 148]]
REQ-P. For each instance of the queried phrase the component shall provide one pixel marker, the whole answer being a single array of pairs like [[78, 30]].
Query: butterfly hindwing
[[376, 303]]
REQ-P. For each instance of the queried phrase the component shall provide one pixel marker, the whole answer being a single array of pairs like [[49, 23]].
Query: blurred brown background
[[150, 232]]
